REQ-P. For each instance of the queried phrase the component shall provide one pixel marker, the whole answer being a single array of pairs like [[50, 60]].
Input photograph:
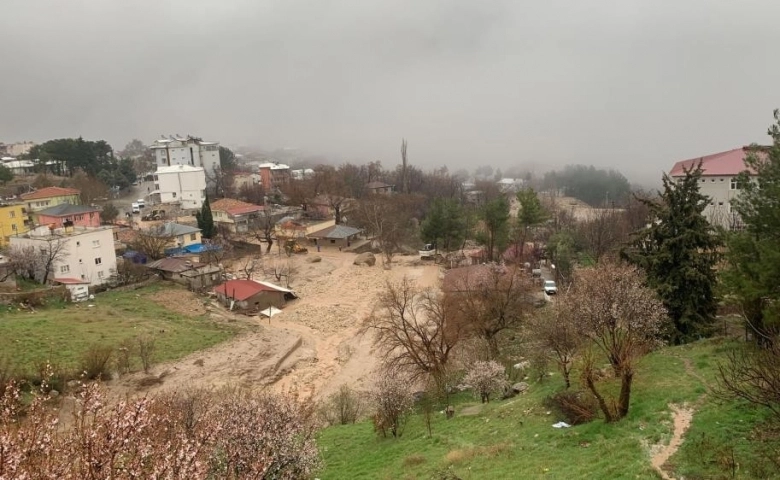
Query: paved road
[[131, 194]]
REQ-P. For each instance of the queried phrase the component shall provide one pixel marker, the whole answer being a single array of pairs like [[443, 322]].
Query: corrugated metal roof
[[335, 232]]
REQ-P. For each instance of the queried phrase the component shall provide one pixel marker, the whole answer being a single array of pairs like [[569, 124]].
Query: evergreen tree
[[679, 251], [445, 224], [206, 220], [495, 235], [752, 274], [529, 215]]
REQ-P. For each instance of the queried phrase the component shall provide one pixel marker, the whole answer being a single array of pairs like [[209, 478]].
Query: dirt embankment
[[311, 348]]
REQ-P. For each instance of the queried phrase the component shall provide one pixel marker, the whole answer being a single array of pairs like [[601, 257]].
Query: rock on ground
[[367, 258]]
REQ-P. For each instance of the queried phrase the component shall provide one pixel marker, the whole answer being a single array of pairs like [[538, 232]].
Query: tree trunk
[[625, 394], [608, 417], [492, 342]]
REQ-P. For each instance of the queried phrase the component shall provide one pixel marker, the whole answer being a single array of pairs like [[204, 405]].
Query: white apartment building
[[192, 151], [183, 184], [718, 182], [82, 253]]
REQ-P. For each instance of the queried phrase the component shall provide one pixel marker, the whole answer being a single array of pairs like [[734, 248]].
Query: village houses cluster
[[84, 252]]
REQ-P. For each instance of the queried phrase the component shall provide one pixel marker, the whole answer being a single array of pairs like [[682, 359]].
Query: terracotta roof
[[235, 207], [49, 192], [242, 289], [65, 209], [726, 163]]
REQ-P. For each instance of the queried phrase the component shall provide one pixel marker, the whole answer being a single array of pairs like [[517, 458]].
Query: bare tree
[[152, 244], [283, 270], [404, 168], [621, 318], [556, 333], [48, 256], [22, 262], [388, 219], [603, 232], [416, 330], [752, 373], [491, 299], [254, 193], [221, 181], [91, 189]]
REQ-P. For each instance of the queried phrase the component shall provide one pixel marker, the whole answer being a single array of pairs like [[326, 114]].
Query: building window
[[65, 269], [174, 194], [78, 244], [720, 204], [734, 184], [13, 227], [12, 214], [98, 261], [193, 236], [100, 273], [95, 243]]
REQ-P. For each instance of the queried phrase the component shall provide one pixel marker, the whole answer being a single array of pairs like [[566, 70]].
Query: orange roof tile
[[49, 192], [234, 207]]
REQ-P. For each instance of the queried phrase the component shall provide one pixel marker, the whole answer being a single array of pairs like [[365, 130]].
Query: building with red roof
[[718, 181], [50, 197], [235, 215], [252, 295]]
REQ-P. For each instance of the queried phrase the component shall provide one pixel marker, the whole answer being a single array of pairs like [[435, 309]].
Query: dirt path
[[682, 416], [312, 347]]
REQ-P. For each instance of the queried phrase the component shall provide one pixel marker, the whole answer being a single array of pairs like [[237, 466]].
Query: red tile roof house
[[718, 181], [235, 215], [78, 215], [252, 295]]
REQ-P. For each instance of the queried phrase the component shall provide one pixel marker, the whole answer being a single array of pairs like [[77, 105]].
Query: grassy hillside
[[514, 438], [62, 333]]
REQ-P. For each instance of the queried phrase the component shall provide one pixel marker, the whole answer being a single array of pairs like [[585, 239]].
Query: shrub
[[236, 436], [576, 406], [393, 400], [486, 378], [146, 349], [124, 354], [342, 407], [95, 362]]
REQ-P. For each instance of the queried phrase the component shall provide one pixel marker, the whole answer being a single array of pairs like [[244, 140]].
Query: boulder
[[314, 259], [522, 365], [367, 258], [520, 387]]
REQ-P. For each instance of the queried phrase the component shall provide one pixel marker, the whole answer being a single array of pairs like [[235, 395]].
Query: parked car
[[141, 203], [550, 288], [135, 207]]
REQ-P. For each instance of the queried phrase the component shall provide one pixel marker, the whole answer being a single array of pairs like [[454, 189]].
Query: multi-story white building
[[183, 184], [81, 253], [718, 182], [187, 150]]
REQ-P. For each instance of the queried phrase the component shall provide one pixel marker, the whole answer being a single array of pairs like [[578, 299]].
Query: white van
[[135, 207], [140, 202]]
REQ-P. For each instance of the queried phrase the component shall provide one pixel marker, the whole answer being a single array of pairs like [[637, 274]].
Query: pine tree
[[752, 274], [206, 220], [445, 224], [678, 252]]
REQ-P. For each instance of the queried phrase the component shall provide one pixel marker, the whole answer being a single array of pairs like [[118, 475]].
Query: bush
[[124, 354], [233, 435], [342, 407], [393, 400], [486, 378], [576, 406], [95, 362], [146, 349]]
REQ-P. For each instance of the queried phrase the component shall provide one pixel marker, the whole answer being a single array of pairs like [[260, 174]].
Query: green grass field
[[514, 438], [60, 334]]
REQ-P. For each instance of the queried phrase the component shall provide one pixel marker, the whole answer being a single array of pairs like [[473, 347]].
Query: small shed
[[252, 295], [78, 289], [181, 270], [335, 236]]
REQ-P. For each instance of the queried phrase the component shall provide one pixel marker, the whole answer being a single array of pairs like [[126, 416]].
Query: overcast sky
[[634, 85]]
